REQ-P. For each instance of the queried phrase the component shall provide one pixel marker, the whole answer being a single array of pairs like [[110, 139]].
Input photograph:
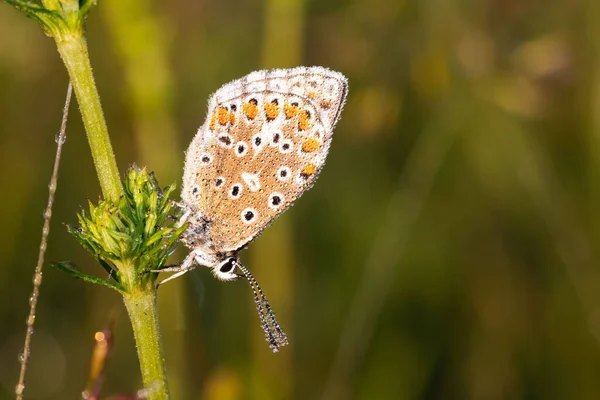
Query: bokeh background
[[449, 250]]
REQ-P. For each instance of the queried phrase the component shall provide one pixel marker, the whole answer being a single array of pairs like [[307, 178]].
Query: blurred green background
[[449, 250]]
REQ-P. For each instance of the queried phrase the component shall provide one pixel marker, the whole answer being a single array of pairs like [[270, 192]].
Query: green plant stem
[[73, 50], [142, 310]]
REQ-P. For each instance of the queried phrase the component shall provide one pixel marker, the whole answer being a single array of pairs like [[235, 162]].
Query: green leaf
[[84, 7], [71, 269], [158, 236], [47, 18], [112, 273]]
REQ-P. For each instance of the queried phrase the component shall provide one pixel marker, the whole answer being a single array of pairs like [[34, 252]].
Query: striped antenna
[[273, 332]]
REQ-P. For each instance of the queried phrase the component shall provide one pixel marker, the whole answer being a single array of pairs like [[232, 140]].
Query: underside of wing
[[264, 142]]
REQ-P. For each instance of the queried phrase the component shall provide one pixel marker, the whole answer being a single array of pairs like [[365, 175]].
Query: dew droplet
[[30, 320], [23, 357], [37, 279], [19, 389], [58, 138], [48, 213]]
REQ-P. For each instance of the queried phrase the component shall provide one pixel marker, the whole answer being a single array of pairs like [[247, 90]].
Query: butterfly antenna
[[273, 332]]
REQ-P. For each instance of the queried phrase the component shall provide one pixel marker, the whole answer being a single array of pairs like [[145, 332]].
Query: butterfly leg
[[184, 217], [186, 265]]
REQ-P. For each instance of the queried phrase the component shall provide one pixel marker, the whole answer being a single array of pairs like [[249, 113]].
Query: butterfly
[[263, 143]]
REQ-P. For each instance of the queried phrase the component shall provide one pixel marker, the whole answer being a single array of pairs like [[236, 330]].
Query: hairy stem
[[142, 310], [73, 50], [37, 276]]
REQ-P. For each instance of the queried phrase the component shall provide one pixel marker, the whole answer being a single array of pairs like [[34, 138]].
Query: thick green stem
[[143, 315], [73, 50], [140, 302]]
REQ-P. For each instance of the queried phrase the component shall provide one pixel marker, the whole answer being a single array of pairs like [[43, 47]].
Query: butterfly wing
[[265, 140]]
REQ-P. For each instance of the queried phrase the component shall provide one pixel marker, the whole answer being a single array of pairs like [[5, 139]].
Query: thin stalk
[[73, 50], [37, 275], [142, 310]]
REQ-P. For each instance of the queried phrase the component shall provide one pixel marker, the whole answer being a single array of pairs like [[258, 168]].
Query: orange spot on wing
[[271, 110], [222, 115], [311, 95], [308, 170], [250, 109], [310, 144], [303, 120], [290, 110], [213, 121]]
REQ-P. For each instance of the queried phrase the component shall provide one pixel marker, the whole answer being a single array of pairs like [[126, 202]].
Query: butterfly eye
[[226, 270], [227, 266]]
